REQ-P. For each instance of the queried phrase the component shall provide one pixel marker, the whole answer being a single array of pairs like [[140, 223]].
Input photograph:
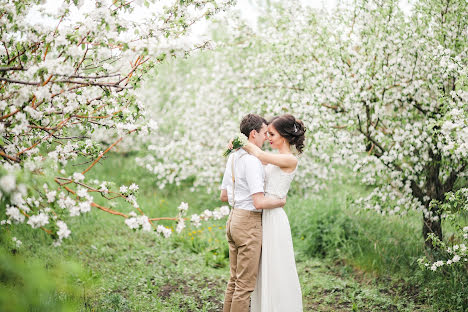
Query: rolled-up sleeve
[[227, 177]]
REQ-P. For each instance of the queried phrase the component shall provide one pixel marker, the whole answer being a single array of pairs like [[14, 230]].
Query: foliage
[[26, 285]]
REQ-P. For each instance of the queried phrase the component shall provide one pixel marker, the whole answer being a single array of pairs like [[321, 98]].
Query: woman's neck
[[285, 149]]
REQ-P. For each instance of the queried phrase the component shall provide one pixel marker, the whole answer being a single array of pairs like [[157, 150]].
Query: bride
[[278, 288]]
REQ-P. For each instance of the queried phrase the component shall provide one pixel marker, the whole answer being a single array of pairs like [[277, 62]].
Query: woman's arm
[[284, 161]]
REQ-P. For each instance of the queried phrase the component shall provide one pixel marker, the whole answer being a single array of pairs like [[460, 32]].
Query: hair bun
[[299, 128], [291, 129]]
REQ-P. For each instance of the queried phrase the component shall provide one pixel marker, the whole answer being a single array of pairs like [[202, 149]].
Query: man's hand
[[283, 202], [223, 196], [262, 202]]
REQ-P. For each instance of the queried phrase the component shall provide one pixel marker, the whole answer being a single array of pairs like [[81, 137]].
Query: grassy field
[[347, 261]]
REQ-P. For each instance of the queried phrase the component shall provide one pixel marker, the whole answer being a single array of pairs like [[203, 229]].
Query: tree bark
[[435, 191], [431, 227]]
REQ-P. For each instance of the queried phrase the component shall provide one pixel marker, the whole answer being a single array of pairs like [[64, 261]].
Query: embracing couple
[[262, 264]]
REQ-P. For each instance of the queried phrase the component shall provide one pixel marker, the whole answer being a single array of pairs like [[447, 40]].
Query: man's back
[[249, 179]]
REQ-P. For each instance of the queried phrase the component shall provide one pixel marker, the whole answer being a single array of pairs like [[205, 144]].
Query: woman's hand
[[252, 149], [248, 148], [230, 146], [283, 201]]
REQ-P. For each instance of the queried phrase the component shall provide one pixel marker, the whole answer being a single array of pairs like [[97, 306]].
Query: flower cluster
[[206, 215], [138, 222], [456, 255], [144, 223], [239, 141]]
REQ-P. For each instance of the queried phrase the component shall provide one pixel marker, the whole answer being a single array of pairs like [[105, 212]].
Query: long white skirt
[[278, 288]]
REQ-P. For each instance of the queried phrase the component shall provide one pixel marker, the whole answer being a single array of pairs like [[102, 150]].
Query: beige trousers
[[244, 234]]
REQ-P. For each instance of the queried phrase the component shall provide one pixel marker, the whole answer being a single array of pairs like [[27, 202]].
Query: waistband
[[243, 212]]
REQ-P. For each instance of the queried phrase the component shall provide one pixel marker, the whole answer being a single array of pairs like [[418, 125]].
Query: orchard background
[[114, 115]]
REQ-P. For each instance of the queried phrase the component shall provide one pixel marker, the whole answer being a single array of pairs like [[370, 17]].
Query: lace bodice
[[277, 181]]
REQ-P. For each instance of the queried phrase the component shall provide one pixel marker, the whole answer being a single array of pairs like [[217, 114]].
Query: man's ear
[[252, 134]]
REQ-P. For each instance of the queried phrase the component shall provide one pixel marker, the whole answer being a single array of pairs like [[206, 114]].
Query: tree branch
[[8, 68], [85, 83], [448, 184], [15, 159]]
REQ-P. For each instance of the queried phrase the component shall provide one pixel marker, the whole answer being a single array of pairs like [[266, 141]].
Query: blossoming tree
[[399, 83], [386, 91], [62, 79]]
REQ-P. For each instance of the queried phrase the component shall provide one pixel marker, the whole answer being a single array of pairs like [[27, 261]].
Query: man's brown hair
[[252, 122]]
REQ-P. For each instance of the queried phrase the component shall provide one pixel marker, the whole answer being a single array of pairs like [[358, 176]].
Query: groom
[[242, 187]]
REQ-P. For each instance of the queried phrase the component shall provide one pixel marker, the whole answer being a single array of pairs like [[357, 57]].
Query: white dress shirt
[[250, 179]]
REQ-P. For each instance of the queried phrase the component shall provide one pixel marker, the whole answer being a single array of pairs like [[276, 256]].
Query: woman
[[278, 288]]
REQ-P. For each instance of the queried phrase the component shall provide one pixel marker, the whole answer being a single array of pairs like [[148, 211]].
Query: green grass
[[380, 249], [347, 261]]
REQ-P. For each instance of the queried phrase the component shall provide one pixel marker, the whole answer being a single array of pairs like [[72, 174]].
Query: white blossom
[[195, 219], [38, 220], [180, 225], [78, 177], [183, 206], [8, 183]]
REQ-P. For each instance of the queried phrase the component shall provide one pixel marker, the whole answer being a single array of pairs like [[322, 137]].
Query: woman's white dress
[[278, 288]]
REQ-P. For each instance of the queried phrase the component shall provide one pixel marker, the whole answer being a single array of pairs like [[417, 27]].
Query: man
[[245, 194]]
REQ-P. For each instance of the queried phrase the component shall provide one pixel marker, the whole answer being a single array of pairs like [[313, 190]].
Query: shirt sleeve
[[227, 177], [255, 175]]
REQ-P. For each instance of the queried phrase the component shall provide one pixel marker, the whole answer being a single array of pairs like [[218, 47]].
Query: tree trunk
[[431, 226], [435, 191]]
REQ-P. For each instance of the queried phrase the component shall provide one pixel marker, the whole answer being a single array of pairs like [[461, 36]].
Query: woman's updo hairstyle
[[290, 128]]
